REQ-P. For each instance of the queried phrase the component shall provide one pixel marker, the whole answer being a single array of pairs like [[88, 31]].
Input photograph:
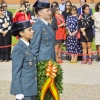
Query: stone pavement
[[81, 82]]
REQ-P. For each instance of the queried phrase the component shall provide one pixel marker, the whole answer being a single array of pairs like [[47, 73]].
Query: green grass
[[93, 10], [14, 40], [12, 10]]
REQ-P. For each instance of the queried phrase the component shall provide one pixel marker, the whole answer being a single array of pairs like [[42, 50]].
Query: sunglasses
[[28, 5], [73, 10], [54, 6], [4, 6], [1, 10], [68, 5]]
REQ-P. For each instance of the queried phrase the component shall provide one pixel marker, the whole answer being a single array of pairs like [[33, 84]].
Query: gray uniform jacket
[[43, 40], [24, 71]]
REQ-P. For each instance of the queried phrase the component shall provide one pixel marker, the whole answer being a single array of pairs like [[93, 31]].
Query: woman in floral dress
[[73, 45]]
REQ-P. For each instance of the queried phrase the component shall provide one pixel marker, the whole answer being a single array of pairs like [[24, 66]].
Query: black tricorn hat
[[18, 26], [41, 5]]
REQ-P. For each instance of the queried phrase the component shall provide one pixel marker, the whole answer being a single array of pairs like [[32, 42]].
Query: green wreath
[[41, 78]]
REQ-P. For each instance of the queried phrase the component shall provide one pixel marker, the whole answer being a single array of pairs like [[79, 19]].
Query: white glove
[[19, 96]]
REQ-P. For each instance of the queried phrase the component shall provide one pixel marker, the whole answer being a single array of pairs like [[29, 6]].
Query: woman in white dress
[[96, 17]]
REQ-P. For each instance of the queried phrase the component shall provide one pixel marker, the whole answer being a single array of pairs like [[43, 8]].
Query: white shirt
[[81, 11], [62, 7], [27, 43], [5, 13], [44, 21]]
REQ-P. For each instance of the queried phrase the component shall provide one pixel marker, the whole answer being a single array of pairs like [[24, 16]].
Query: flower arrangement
[[50, 85]]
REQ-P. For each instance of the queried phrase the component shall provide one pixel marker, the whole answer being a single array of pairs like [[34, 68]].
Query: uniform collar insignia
[[27, 53]]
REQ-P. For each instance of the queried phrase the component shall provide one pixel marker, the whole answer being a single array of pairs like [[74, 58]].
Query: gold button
[[34, 58], [47, 38], [35, 78], [35, 64], [25, 81], [35, 71]]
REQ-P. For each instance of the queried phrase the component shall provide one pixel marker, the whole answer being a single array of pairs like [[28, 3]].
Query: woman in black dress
[[5, 36], [85, 24]]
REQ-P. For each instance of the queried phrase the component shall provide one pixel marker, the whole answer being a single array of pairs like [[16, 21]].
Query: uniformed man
[[43, 40], [24, 72]]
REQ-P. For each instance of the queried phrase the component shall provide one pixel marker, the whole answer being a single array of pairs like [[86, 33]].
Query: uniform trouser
[[29, 98]]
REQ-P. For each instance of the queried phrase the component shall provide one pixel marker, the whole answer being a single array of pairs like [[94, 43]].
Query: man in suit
[[7, 13], [28, 7], [62, 5], [43, 40], [82, 2]]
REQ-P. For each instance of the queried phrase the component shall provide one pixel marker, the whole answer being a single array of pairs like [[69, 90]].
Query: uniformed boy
[[43, 40], [24, 71]]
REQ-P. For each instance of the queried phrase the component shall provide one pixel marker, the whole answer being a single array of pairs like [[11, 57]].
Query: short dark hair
[[97, 7], [84, 7], [3, 3], [1, 7]]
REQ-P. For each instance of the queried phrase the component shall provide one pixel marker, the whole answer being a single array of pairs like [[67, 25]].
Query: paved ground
[[81, 82]]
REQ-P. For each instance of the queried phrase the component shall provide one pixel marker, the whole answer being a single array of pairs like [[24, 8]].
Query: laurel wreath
[[41, 78]]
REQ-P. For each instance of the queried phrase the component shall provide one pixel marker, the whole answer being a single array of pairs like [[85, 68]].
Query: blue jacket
[[43, 40], [24, 71], [79, 11]]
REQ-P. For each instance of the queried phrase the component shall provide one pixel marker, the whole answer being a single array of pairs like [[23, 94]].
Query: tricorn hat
[[18, 26], [41, 5]]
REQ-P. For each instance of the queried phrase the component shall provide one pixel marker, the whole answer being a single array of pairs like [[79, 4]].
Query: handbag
[[78, 35]]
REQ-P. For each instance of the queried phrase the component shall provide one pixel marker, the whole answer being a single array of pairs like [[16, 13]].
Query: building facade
[[32, 1]]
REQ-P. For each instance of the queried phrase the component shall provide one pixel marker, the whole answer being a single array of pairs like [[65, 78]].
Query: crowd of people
[[41, 33], [79, 24], [76, 27]]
